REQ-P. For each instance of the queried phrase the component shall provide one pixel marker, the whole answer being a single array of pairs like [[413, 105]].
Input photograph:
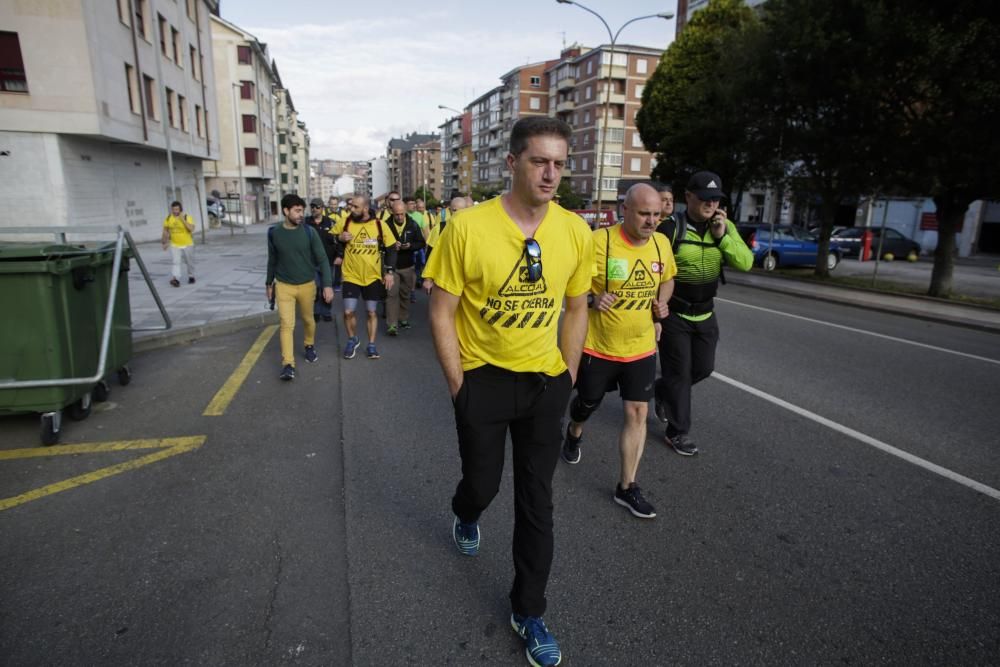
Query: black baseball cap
[[705, 185], [317, 202]]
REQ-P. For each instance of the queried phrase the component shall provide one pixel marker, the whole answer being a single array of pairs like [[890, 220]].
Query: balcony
[[612, 122], [567, 105], [617, 72], [568, 82], [614, 98]]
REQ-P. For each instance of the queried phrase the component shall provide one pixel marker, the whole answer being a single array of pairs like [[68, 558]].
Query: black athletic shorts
[[633, 379], [372, 292]]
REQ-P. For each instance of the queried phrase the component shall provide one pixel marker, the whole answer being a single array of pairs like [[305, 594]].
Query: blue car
[[789, 246]]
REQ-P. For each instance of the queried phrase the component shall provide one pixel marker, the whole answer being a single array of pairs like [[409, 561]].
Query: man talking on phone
[[703, 240]]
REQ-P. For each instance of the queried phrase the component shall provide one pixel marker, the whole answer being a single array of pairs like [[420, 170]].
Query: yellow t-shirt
[[634, 273], [502, 319], [433, 236], [362, 254], [180, 237]]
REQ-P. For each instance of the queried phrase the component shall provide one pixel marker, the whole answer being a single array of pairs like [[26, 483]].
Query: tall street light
[[607, 87]]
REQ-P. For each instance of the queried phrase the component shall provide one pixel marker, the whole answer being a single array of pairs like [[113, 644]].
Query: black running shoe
[[660, 408], [310, 354], [631, 498], [287, 373], [682, 445], [571, 448]]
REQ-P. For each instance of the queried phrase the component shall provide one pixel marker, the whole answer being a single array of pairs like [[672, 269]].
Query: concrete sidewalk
[[232, 264], [228, 295]]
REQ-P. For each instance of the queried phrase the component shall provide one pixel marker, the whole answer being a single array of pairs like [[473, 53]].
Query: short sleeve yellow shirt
[[180, 237], [363, 254], [634, 273], [503, 319]]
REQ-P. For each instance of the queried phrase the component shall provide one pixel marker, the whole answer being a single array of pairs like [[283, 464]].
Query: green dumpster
[[54, 298]]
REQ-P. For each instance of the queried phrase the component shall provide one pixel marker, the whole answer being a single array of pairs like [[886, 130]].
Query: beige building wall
[[86, 137]]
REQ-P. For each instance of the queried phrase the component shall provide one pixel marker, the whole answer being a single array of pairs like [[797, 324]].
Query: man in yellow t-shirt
[[501, 272], [177, 229], [364, 241], [633, 279]]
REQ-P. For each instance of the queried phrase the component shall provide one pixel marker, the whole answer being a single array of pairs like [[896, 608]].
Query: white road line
[[867, 439], [863, 331]]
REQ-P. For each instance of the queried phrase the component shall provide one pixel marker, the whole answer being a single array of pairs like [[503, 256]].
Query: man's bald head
[[458, 203]]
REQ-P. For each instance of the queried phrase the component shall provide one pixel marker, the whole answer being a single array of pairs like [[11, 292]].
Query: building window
[[246, 90], [183, 112], [162, 22], [124, 14], [171, 104], [243, 56], [250, 157], [149, 90], [12, 76], [175, 38], [636, 140], [535, 103], [249, 123], [197, 121], [281, 139], [190, 9], [283, 158], [613, 159], [536, 82], [635, 164], [586, 138], [583, 164], [195, 70], [590, 92], [590, 66], [586, 117], [141, 12], [132, 84], [638, 89], [640, 65], [204, 117]]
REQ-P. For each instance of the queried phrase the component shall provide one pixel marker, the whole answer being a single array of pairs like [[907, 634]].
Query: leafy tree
[[485, 191], [945, 93], [821, 78], [568, 198], [695, 112]]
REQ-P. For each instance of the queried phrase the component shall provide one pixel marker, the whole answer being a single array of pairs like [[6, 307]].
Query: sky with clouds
[[361, 73]]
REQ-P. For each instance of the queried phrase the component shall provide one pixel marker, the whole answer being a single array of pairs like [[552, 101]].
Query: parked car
[[216, 212], [895, 244], [789, 246]]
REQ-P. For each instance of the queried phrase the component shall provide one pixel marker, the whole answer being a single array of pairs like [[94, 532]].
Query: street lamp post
[[239, 158], [607, 89]]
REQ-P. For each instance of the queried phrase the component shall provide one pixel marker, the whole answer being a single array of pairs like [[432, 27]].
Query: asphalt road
[[313, 524]]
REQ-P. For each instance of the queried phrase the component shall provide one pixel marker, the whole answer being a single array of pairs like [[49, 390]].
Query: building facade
[[413, 161], [525, 93], [245, 87], [456, 143], [488, 150], [97, 101]]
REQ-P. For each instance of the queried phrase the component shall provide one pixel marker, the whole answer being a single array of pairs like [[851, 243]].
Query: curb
[[182, 336], [859, 303]]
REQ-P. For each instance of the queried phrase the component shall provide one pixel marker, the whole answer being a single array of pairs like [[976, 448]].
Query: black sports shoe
[[287, 373], [660, 408], [681, 444], [310, 354], [632, 499], [571, 448], [190, 280]]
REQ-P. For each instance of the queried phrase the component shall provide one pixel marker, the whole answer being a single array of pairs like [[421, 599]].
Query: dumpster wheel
[[51, 425], [101, 391], [124, 375], [81, 409]]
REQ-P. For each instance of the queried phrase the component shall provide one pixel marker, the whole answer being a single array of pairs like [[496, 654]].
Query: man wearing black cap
[[703, 240], [323, 226]]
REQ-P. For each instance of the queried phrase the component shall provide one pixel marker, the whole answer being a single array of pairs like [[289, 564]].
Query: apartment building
[[487, 140], [414, 160], [579, 93], [456, 149], [97, 99], [377, 177], [246, 85]]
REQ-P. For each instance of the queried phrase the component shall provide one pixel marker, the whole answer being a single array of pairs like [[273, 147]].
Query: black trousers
[[687, 356], [491, 401]]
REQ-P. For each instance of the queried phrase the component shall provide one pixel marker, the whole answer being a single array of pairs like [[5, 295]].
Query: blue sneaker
[[540, 646], [371, 351], [310, 354], [351, 348], [466, 537]]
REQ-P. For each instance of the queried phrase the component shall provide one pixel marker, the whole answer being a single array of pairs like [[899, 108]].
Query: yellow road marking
[[226, 395], [168, 447]]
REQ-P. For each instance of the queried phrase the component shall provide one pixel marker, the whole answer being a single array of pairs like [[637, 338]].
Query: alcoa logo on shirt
[[520, 303]]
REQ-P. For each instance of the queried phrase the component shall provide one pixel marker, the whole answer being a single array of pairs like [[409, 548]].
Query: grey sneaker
[[682, 445], [631, 498]]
